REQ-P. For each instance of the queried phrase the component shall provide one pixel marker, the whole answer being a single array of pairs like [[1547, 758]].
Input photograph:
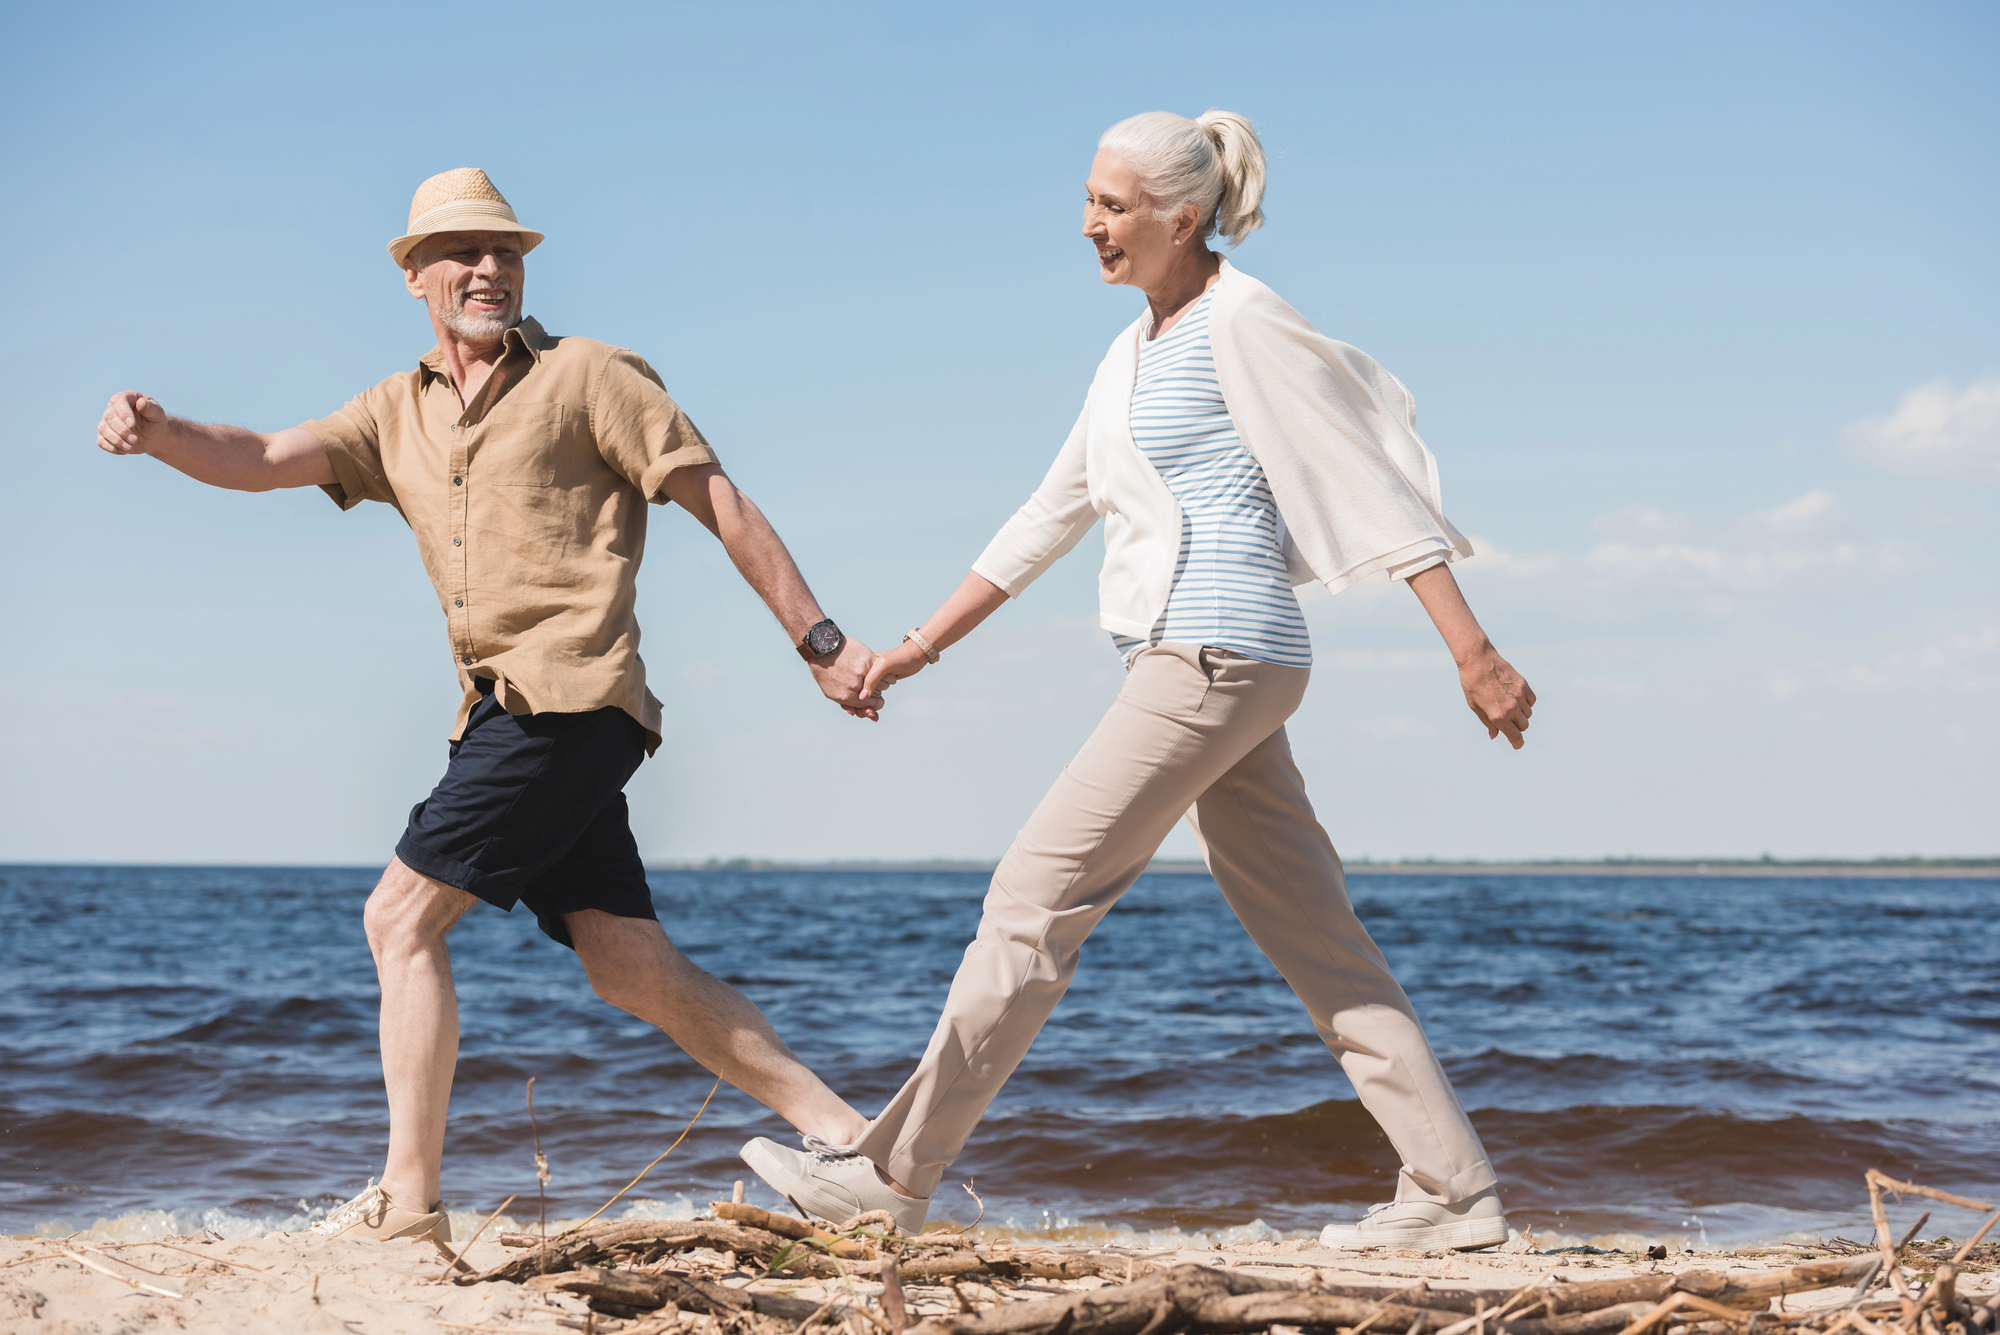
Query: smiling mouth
[[1110, 253], [487, 297]]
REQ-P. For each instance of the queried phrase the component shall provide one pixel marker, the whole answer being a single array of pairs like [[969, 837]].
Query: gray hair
[[1213, 161]]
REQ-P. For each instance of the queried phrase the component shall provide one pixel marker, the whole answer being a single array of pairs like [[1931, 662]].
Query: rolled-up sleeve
[[352, 439], [1053, 521], [640, 431]]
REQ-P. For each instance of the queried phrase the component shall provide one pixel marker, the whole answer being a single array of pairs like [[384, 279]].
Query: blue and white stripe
[[1230, 589]]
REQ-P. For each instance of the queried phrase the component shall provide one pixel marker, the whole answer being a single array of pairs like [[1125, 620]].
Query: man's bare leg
[[633, 966], [407, 918]]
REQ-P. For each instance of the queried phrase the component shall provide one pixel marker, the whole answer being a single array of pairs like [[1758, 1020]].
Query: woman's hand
[[1495, 692], [904, 661]]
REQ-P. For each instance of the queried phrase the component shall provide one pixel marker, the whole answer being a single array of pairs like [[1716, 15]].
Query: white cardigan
[[1335, 434]]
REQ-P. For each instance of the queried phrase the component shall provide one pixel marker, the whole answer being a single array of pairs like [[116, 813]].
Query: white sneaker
[[1466, 1225], [373, 1217], [832, 1182]]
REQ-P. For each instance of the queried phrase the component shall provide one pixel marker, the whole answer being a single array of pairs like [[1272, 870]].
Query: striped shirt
[[1230, 588]]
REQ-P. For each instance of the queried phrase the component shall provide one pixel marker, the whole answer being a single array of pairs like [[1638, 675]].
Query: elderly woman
[[1233, 452]]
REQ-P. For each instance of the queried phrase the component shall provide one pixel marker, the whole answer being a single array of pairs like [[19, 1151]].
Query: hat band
[[460, 214]]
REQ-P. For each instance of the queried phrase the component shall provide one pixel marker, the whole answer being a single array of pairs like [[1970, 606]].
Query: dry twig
[[122, 1279], [457, 1262], [663, 1154]]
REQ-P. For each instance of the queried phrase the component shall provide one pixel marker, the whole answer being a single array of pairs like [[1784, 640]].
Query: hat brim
[[400, 248]]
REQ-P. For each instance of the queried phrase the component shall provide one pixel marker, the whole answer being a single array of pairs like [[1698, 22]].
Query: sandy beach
[[301, 1282]]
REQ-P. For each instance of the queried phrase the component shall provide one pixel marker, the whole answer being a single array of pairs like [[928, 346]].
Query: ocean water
[[1706, 1058]]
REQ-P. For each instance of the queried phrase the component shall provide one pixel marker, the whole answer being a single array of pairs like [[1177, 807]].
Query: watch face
[[823, 638]]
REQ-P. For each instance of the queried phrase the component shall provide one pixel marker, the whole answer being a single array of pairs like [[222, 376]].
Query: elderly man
[[523, 462]]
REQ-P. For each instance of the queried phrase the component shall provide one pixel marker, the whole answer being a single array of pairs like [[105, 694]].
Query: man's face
[[471, 281]]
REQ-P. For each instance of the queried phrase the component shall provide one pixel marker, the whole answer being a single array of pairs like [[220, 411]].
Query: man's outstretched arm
[[706, 492], [222, 456]]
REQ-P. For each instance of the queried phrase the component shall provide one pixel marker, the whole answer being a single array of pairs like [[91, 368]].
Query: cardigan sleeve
[[1335, 434], [1053, 521]]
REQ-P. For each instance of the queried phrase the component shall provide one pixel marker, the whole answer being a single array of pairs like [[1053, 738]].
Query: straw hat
[[460, 200]]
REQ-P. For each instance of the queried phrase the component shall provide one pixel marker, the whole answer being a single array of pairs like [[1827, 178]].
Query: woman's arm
[[1496, 693], [971, 603]]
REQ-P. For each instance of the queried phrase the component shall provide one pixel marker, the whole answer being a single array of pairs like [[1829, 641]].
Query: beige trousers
[[1202, 729]]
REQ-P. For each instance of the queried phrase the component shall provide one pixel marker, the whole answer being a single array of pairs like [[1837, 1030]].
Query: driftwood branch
[[649, 1292], [1203, 1299], [611, 1265], [571, 1250]]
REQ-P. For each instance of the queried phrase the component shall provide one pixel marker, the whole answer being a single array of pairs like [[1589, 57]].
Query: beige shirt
[[529, 507]]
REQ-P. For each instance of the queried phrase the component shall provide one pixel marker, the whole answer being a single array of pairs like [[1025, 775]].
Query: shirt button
[[458, 602], [455, 542], [458, 482], [466, 659]]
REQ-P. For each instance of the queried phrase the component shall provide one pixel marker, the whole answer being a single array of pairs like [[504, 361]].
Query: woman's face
[[1133, 247]]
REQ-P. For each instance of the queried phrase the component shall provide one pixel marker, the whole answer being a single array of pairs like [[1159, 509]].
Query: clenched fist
[[129, 419]]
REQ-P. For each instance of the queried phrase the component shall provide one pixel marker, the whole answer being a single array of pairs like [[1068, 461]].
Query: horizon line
[[1628, 864]]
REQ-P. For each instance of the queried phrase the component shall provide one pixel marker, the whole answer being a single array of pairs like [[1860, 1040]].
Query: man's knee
[[410, 912], [629, 961]]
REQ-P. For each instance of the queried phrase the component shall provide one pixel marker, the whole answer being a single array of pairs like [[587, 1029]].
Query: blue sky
[[1700, 305]]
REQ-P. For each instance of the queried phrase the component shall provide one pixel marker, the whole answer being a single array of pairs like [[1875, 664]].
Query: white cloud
[[1759, 549], [1740, 567], [1803, 513], [1489, 559], [1783, 685], [1963, 660], [1624, 521], [1938, 429]]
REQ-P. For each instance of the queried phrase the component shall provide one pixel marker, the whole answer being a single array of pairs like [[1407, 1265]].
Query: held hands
[[844, 679], [1498, 695], [130, 421], [902, 662]]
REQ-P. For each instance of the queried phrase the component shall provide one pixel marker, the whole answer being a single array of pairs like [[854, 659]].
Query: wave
[[1591, 1165]]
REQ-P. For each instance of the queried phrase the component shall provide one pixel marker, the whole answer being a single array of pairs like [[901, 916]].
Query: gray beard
[[478, 328]]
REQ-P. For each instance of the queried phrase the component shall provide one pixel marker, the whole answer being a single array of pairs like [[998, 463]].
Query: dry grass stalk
[[656, 1163], [1887, 1183], [541, 1172], [237, 1265], [1966, 1250], [457, 1262], [1890, 1267], [81, 1259]]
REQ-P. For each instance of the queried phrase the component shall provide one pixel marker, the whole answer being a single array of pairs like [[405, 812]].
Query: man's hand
[[899, 664], [130, 421], [844, 679], [1498, 695]]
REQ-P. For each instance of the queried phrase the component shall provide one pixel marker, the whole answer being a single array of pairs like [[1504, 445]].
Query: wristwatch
[[821, 639]]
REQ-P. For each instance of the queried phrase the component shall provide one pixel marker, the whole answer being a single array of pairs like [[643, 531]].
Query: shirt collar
[[529, 336]]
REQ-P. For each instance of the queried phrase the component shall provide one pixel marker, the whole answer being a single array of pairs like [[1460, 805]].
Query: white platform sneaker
[[1466, 1225], [832, 1182]]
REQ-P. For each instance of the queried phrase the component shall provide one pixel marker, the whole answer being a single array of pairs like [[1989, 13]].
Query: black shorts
[[532, 809]]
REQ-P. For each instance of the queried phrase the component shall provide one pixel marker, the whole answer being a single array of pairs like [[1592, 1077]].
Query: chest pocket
[[519, 443]]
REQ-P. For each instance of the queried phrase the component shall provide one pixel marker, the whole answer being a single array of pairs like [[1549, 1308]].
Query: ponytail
[[1240, 211]]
